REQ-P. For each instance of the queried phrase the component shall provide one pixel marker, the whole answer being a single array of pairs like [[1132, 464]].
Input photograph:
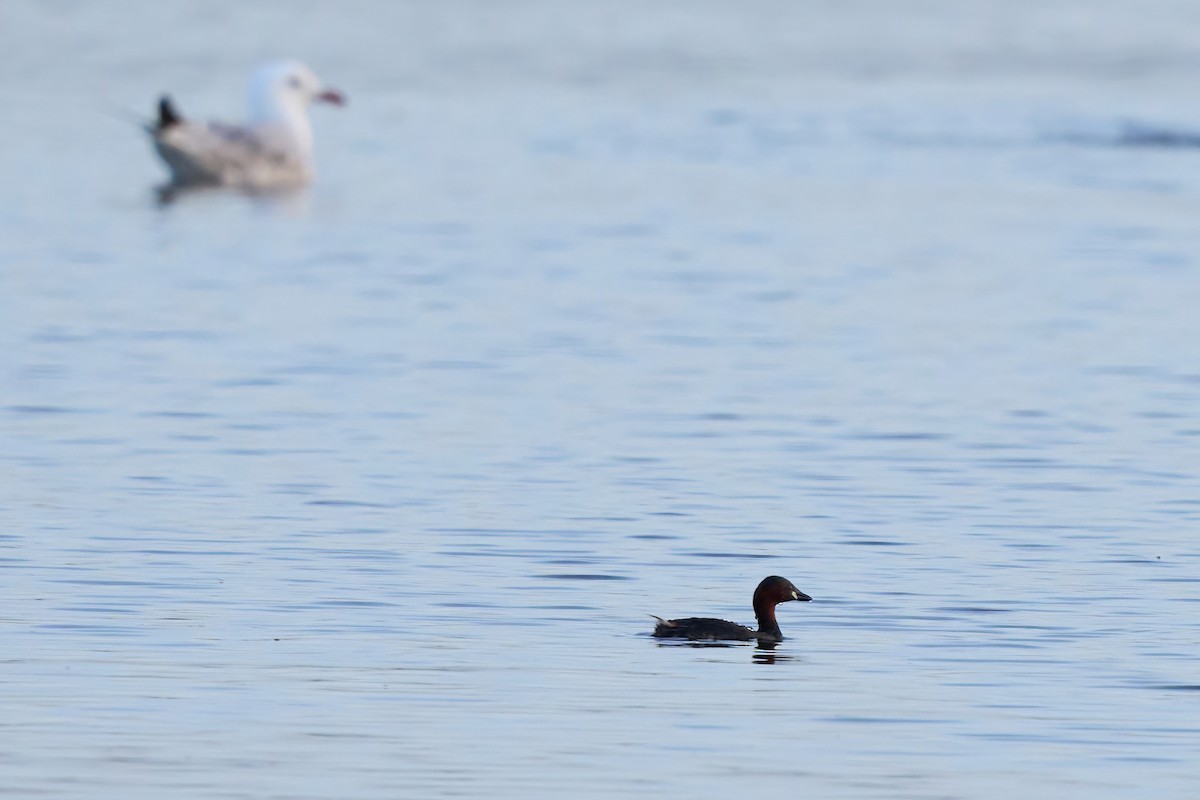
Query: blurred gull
[[273, 150]]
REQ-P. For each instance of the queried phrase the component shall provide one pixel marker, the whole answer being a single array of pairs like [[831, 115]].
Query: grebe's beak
[[799, 595], [331, 96]]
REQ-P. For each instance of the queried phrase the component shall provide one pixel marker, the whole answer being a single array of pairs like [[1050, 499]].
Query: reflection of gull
[[273, 150]]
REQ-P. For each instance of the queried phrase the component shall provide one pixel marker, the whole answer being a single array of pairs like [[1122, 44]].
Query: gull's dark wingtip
[[167, 114]]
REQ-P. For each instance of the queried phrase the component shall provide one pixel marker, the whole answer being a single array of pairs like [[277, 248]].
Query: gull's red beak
[[332, 96]]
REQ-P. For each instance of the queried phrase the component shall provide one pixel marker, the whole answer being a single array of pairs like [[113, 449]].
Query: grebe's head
[[775, 589]]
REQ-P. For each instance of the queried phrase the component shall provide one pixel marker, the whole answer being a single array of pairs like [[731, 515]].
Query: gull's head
[[280, 91]]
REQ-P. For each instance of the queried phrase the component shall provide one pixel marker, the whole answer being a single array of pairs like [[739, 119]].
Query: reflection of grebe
[[770, 592]]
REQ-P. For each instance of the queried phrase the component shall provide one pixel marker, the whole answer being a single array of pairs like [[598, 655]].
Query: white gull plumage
[[273, 150]]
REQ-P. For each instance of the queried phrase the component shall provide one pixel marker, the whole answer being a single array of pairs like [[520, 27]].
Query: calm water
[[598, 311]]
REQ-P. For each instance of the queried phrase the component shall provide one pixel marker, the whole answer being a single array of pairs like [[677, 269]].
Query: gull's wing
[[214, 154]]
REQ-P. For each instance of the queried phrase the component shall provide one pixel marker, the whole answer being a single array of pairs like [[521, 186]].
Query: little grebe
[[770, 592]]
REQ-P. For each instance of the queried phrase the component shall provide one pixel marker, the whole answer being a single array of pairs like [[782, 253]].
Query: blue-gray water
[[596, 311]]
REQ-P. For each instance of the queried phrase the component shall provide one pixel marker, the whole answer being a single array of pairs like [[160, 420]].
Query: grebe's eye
[[294, 81]]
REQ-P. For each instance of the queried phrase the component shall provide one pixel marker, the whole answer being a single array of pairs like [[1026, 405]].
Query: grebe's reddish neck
[[764, 612]]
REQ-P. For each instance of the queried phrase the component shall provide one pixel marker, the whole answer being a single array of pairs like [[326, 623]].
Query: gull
[[272, 150]]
